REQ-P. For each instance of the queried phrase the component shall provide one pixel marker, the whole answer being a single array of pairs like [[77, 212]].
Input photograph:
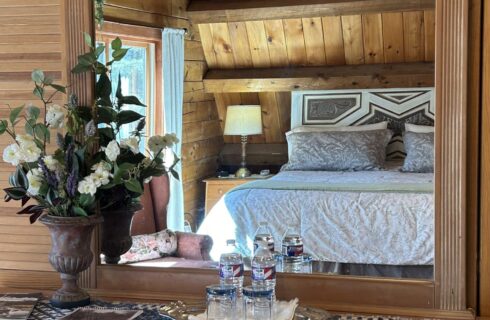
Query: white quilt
[[348, 227]]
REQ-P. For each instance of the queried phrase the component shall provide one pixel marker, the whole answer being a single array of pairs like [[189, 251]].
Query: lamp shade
[[243, 120]]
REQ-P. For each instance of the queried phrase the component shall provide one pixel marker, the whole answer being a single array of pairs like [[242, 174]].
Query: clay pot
[[71, 239], [116, 235]]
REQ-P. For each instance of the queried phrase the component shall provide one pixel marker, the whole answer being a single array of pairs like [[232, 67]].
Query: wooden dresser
[[217, 187]]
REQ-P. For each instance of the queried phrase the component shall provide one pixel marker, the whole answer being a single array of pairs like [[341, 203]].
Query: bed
[[376, 222]]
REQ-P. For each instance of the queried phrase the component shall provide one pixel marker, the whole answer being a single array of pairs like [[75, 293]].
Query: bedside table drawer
[[218, 190]]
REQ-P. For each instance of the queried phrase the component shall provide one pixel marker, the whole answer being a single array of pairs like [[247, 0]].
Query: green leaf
[[14, 114], [106, 115], [88, 39], [87, 59], [42, 132], [121, 170], [80, 68], [100, 49], [119, 90], [33, 113], [84, 113], [127, 116], [134, 186], [86, 200], [48, 81], [116, 44], [118, 55], [79, 211], [58, 88], [21, 178], [131, 100], [16, 193], [3, 126], [175, 174], [103, 87], [38, 92], [37, 76]]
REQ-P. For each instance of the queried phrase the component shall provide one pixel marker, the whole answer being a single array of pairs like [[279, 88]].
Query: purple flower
[[51, 177], [72, 182]]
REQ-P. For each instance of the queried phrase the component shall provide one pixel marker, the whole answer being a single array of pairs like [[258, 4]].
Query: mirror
[[318, 157]]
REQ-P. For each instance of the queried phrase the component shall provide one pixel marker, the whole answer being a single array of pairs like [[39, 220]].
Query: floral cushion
[[151, 246], [420, 152]]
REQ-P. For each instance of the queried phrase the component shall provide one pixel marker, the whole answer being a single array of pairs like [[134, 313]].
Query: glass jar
[[257, 303], [221, 302]]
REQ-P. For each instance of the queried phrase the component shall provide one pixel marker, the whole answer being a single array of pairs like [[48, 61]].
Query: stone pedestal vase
[[70, 254], [116, 232]]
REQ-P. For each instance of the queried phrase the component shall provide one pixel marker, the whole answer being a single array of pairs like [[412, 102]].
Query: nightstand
[[217, 187]]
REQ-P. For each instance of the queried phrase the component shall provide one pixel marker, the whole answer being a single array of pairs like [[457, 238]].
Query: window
[[137, 72]]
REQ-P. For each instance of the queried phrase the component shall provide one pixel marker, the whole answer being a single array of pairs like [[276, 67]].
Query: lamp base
[[242, 173]]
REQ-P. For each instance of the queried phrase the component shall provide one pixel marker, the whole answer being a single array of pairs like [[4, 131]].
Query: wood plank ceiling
[[393, 37]]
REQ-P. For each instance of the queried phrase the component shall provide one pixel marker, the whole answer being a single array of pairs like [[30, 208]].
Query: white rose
[[51, 163], [101, 166], [87, 186], [112, 150], [55, 116], [100, 178], [24, 139], [171, 138], [35, 181], [156, 143], [132, 143], [30, 152], [11, 154]]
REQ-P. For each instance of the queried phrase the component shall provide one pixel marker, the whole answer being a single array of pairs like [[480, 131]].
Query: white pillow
[[418, 128], [367, 127]]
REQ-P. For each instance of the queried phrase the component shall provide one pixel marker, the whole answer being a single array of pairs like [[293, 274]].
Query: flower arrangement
[[92, 164]]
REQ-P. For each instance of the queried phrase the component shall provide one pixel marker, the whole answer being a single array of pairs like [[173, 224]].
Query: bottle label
[[268, 273], [292, 250], [230, 270]]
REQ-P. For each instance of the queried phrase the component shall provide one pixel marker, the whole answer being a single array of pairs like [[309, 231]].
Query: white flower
[[147, 180], [11, 154], [51, 163], [87, 186], [101, 166], [30, 152], [157, 143], [55, 116], [112, 150], [25, 139], [132, 143], [35, 181], [100, 178]]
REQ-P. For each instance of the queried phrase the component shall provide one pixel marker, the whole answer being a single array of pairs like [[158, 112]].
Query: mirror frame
[[444, 297]]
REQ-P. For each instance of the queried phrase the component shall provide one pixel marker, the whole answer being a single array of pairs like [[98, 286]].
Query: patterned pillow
[[420, 152], [151, 246], [337, 151]]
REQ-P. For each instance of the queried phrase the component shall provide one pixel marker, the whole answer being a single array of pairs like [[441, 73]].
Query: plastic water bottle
[[231, 267], [264, 268], [263, 234], [292, 244]]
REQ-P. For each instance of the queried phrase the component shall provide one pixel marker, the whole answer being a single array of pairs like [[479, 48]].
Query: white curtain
[[173, 93]]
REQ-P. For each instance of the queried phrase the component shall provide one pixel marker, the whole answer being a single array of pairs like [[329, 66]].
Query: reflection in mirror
[[337, 180]]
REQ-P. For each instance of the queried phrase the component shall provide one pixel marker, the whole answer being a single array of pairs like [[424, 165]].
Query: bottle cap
[[230, 242]]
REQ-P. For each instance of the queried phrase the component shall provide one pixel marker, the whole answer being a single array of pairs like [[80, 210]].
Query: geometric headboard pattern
[[336, 108]]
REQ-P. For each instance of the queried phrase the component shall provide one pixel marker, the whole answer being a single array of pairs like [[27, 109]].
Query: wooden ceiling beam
[[367, 76], [205, 11]]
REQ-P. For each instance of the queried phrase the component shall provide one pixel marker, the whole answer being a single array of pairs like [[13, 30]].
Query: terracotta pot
[[71, 238], [116, 235]]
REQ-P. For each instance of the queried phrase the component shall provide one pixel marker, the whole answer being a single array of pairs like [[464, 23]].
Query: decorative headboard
[[336, 108]]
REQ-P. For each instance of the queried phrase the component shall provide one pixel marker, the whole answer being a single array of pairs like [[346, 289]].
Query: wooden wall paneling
[[451, 152], [222, 45], [207, 44], [222, 102], [205, 11], [394, 50], [353, 44], [314, 43], [295, 41], [284, 108], [240, 45], [258, 44], [276, 43], [473, 140], [372, 30], [270, 118], [430, 35], [414, 42], [484, 292], [334, 40], [152, 7]]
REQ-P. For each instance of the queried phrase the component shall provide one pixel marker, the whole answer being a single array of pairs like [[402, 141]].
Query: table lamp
[[243, 120]]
